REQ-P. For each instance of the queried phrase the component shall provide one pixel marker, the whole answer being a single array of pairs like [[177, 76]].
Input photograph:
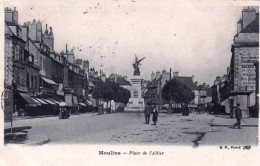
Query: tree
[[123, 95], [111, 91], [96, 93], [180, 92]]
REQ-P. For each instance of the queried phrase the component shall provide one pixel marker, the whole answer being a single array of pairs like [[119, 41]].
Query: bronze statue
[[136, 66]]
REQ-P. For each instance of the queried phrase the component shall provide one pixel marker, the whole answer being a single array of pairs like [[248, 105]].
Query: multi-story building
[[153, 91], [245, 52], [121, 80], [40, 77], [20, 74]]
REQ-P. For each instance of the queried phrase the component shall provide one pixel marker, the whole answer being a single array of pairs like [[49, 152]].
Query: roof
[[122, 81], [154, 82], [188, 82], [253, 27]]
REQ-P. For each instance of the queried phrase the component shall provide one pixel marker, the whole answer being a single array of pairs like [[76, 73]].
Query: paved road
[[119, 128]]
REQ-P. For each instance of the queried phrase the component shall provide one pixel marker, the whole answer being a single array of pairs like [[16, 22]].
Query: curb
[[41, 142]]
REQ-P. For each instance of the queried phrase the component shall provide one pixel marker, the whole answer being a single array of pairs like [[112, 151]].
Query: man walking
[[147, 113], [238, 114]]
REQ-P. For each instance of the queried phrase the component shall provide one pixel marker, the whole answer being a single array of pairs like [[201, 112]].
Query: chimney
[[116, 78], [193, 78], [239, 25], [66, 48], [248, 15], [152, 76], [164, 71], [196, 83], [158, 74], [15, 16]]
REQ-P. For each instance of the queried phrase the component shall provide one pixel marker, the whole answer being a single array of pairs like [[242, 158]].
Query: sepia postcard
[[129, 82]]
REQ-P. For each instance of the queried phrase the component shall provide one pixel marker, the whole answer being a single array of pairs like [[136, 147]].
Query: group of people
[[151, 109]]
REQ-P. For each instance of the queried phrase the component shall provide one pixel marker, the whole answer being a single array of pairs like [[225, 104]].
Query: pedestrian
[[155, 115], [238, 114], [185, 110], [147, 113]]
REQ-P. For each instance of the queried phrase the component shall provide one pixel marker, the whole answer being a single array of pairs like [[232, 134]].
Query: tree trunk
[[110, 108]]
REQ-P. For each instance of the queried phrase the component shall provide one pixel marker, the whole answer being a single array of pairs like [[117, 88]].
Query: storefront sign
[[245, 75]]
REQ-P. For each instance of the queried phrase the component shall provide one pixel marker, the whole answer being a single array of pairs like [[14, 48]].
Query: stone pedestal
[[136, 102]]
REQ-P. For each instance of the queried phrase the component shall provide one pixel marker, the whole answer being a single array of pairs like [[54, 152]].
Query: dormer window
[[30, 59]]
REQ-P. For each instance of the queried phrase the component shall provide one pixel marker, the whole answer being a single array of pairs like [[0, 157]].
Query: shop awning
[[54, 101], [75, 100], [225, 102], [82, 104], [60, 103], [28, 99], [49, 81], [89, 102], [41, 101], [36, 101], [63, 104], [49, 101]]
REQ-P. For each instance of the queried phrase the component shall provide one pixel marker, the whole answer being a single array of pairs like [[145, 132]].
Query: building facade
[[245, 52]]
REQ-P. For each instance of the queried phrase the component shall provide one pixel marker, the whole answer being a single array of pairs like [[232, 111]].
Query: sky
[[192, 38]]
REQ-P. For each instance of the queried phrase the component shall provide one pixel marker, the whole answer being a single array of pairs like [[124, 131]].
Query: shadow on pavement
[[200, 135], [231, 126], [19, 135]]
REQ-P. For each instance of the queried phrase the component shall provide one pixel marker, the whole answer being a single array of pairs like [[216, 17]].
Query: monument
[[136, 102]]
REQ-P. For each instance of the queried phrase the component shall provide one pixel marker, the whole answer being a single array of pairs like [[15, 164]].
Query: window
[[21, 54], [30, 58], [44, 64], [27, 80], [35, 81], [16, 52], [40, 63], [31, 81], [21, 77]]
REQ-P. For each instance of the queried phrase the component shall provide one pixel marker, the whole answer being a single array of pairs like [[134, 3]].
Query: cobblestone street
[[124, 128]]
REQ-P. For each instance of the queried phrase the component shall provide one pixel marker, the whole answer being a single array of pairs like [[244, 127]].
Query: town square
[[136, 76]]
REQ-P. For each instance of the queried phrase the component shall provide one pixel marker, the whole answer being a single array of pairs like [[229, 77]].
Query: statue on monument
[[136, 66]]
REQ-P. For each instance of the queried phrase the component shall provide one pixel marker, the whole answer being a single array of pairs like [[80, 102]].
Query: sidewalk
[[20, 135], [221, 132], [22, 129]]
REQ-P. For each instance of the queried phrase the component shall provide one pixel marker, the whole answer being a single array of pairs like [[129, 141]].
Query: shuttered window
[[16, 52]]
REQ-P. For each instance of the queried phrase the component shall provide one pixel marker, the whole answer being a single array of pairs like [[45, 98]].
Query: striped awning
[[41, 101], [28, 99], [36, 101], [82, 104], [49, 101], [60, 103], [89, 102]]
